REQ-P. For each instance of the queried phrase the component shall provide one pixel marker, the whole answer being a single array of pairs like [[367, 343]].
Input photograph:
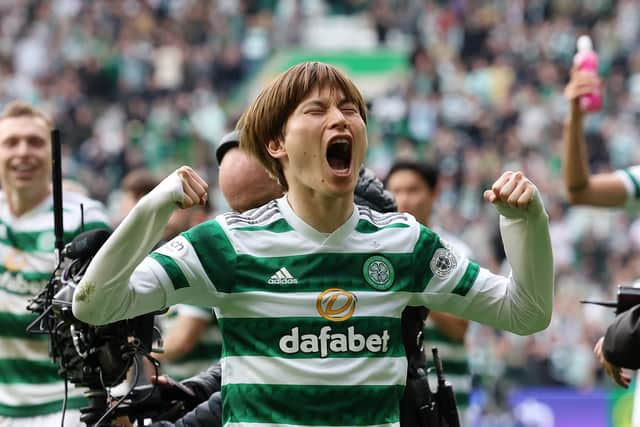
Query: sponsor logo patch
[[336, 304]]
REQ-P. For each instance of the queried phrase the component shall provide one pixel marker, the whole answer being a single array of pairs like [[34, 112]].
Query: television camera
[[96, 357]]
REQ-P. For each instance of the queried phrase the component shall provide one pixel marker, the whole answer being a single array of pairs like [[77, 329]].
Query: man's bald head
[[244, 182]]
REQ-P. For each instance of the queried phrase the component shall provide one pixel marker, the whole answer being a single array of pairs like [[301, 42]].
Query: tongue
[[338, 163]]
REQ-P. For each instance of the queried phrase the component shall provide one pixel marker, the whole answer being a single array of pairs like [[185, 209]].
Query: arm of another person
[[184, 334], [520, 303], [116, 285], [605, 189], [452, 326]]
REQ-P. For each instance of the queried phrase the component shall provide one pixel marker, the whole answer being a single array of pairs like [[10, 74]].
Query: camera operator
[[31, 391], [610, 189]]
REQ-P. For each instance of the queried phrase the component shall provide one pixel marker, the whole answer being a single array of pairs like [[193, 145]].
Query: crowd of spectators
[[149, 83]]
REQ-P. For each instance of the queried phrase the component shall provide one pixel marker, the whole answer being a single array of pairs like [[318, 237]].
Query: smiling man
[[31, 392], [325, 349]]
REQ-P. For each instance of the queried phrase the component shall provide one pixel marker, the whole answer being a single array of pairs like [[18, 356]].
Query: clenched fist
[[195, 188], [514, 195]]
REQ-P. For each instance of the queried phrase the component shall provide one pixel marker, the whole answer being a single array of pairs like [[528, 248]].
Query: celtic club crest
[[378, 272]]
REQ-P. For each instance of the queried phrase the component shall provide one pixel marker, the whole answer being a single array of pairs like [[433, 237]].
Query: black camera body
[[93, 357]]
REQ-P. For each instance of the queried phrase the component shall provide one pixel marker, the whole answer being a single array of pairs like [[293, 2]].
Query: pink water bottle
[[587, 60]]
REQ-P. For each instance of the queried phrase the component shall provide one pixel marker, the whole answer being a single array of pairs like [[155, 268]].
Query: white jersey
[[29, 382]]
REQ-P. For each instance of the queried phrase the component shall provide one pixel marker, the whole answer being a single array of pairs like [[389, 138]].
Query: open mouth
[[339, 155]]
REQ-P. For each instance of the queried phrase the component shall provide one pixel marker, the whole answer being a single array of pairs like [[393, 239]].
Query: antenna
[[56, 178]]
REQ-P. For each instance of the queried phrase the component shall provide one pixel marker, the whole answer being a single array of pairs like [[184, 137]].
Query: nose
[[337, 118], [22, 147]]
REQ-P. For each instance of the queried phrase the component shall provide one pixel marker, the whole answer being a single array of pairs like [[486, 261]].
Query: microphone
[[85, 245]]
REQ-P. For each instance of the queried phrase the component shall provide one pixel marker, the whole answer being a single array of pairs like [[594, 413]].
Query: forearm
[[576, 167], [105, 293], [530, 293], [452, 326], [522, 302]]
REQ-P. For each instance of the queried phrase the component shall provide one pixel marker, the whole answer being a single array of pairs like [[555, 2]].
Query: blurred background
[[473, 86]]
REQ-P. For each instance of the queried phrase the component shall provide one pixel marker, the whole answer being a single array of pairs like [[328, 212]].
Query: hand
[[581, 83], [512, 188], [613, 371], [194, 188]]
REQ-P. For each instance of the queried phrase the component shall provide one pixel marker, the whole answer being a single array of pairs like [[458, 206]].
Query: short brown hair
[[139, 182], [22, 109], [266, 117]]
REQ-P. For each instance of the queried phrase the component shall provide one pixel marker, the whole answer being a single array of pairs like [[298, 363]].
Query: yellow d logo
[[336, 304]]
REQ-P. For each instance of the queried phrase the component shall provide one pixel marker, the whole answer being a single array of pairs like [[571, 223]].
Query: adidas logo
[[282, 277]]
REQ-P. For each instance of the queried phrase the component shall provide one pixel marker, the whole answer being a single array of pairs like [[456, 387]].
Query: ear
[[276, 149]]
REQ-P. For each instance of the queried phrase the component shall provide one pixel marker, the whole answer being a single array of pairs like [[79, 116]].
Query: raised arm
[[108, 291], [606, 189], [520, 303]]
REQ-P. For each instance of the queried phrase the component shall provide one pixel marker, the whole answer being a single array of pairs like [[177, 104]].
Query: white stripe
[[286, 273], [299, 425], [303, 304], [329, 371], [14, 304], [280, 275], [260, 243], [15, 348], [35, 394]]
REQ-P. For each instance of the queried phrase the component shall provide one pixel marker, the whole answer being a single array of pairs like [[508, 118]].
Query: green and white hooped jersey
[[311, 321], [29, 382], [207, 350]]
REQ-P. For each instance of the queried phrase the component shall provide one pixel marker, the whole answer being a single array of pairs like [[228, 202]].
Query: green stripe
[[467, 280], [431, 334], [636, 185], [462, 399], [261, 337], [216, 254], [18, 371], [75, 402], [15, 326], [428, 243], [367, 227], [178, 280], [320, 271], [202, 351], [279, 226], [43, 240], [311, 405]]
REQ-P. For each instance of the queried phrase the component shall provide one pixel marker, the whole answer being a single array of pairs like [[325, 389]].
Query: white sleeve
[[108, 291], [521, 303], [630, 177]]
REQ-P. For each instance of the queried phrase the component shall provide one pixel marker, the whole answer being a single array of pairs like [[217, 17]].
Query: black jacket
[[621, 345]]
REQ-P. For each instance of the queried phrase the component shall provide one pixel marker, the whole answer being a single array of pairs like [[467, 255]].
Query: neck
[[21, 202], [324, 213]]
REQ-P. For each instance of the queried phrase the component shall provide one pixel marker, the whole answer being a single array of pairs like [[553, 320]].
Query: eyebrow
[[320, 102]]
